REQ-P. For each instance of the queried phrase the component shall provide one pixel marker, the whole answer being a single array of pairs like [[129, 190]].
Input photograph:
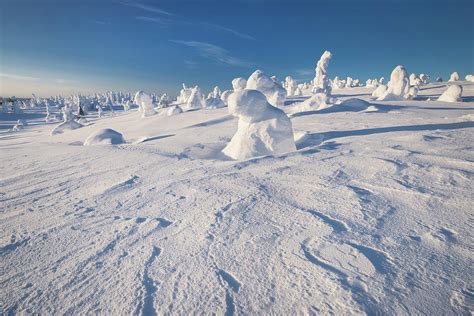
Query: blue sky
[[64, 46]]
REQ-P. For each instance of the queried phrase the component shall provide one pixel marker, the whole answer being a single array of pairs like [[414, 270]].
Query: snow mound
[[452, 94], [262, 128], [317, 102], [379, 91], [469, 78], [104, 136], [398, 86], [274, 92], [66, 126], [173, 110], [352, 104]]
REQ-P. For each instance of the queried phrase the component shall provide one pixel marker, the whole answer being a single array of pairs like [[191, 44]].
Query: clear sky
[[64, 46]]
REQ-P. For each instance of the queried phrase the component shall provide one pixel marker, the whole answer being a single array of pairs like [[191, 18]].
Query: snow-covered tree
[[262, 128]]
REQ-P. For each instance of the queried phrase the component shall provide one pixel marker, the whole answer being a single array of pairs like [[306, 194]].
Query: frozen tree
[[454, 76], [68, 121], [414, 80], [262, 128], [321, 80], [239, 84], [290, 85], [184, 95], [349, 82], [274, 92], [398, 86], [214, 103], [99, 111], [216, 93], [126, 105], [146, 105], [195, 100], [165, 101], [424, 78], [298, 92], [225, 95], [469, 78], [452, 94]]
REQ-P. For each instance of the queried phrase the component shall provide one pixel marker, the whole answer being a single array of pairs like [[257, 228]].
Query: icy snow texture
[[452, 94], [321, 80], [104, 136], [454, 76], [262, 128], [398, 86], [274, 92], [239, 83]]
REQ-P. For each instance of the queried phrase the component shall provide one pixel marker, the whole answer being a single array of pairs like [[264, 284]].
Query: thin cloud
[[305, 72], [98, 22], [147, 8], [64, 81], [214, 52], [179, 21], [153, 20], [17, 77], [229, 30]]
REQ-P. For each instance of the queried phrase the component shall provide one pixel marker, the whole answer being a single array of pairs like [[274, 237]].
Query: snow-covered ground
[[373, 213]]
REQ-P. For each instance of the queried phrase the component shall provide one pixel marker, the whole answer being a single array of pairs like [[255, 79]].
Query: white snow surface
[[370, 214]]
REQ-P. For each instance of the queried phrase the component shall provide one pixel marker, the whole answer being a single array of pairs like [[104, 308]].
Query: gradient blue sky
[[65, 46]]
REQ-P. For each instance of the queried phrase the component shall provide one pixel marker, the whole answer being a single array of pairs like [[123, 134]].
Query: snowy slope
[[372, 214]]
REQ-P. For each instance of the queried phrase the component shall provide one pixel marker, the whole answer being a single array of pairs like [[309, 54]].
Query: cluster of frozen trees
[[263, 128]]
